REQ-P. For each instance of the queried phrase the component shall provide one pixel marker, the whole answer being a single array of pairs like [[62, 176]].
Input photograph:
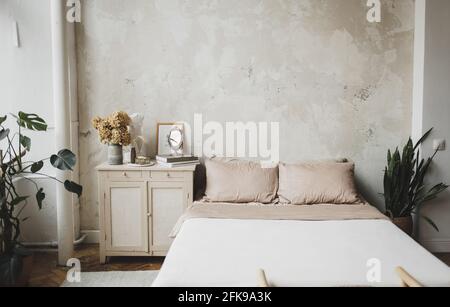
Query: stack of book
[[176, 161]]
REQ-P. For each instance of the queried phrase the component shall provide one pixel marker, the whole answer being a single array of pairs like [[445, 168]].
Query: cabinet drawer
[[168, 175], [124, 174]]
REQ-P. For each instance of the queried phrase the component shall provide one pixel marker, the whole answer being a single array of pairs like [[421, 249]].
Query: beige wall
[[338, 85]]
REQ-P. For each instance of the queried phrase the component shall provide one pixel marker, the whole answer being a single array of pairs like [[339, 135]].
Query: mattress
[[341, 253]]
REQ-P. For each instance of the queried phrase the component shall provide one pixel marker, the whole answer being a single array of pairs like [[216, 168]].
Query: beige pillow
[[318, 183], [240, 182]]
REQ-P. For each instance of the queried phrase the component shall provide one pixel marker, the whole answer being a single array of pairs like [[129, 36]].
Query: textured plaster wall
[[338, 85]]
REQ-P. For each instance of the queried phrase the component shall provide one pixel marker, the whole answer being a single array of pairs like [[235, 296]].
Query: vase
[[405, 224], [115, 154], [133, 155]]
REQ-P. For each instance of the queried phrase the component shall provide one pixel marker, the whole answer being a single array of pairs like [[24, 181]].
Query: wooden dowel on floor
[[407, 280], [262, 279]]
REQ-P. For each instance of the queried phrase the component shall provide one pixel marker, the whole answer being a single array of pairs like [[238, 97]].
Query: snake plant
[[404, 181]]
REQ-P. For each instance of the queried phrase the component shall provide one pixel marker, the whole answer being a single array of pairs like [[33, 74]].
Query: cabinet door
[[168, 201], [126, 217]]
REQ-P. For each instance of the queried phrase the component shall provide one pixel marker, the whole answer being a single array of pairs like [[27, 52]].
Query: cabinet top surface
[[156, 167]]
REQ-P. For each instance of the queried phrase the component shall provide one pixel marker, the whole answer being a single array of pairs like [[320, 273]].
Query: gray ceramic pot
[[115, 154]]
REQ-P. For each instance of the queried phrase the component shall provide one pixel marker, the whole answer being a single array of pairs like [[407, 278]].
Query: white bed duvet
[[228, 253]]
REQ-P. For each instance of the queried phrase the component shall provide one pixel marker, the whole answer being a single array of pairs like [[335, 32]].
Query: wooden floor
[[445, 258], [47, 274]]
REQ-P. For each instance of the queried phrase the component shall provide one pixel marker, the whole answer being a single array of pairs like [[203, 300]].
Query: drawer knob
[[124, 174], [168, 175]]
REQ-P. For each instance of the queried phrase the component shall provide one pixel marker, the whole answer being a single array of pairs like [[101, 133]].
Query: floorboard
[[47, 274]]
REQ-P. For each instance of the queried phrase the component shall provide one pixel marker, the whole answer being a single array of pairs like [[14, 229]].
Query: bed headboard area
[[311, 182]]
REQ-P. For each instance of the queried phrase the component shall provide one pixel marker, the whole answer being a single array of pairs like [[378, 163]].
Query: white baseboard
[[92, 236], [437, 245]]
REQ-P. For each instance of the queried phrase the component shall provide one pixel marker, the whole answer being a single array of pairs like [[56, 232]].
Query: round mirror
[[175, 139]]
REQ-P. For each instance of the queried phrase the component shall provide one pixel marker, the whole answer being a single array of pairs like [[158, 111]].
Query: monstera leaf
[[4, 133], [31, 121], [37, 166], [73, 187], [40, 196], [25, 142], [64, 160]]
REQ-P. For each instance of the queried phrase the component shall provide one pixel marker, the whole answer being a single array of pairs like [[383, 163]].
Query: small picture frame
[[163, 131]]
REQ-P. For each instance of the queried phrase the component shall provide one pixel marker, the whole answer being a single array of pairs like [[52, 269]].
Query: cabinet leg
[[102, 258]]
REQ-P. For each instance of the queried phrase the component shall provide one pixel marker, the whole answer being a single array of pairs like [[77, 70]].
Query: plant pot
[[405, 224], [115, 154], [16, 271], [27, 268]]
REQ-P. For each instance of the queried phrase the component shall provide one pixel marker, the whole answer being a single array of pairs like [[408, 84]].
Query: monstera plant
[[14, 147], [405, 189]]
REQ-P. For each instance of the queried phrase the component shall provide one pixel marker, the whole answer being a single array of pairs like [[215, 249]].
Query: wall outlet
[[439, 145]]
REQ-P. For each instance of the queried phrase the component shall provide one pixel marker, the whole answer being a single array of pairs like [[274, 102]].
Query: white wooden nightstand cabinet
[[139, 207]]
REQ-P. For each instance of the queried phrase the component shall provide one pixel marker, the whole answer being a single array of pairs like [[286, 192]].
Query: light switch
[[15, 34], [439, 144]]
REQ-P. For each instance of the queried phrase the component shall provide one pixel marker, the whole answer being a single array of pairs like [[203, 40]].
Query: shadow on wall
[[41, 225], [366, 190]]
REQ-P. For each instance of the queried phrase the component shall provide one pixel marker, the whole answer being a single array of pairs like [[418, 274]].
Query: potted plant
[[113, 130], [15, 262], [404, 185]]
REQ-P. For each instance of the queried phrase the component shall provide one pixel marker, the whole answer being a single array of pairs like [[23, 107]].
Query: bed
[[302, 224], [224, 245]]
